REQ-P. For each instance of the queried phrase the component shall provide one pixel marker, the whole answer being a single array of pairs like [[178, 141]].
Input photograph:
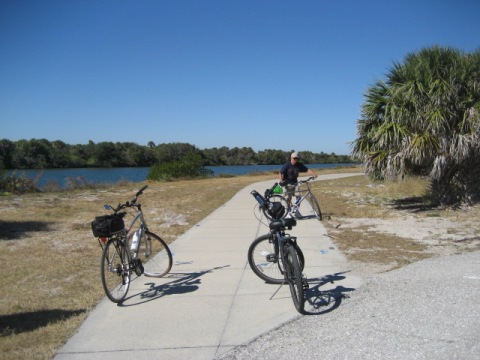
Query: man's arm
[[281, 173]]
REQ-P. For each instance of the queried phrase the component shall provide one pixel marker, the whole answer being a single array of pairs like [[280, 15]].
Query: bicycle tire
[[312, 200], [277, 198], [293, 274], [268, 270], [155, 255], [115, 270]]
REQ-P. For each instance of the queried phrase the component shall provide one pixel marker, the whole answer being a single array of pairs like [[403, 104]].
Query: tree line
[[45, 154]]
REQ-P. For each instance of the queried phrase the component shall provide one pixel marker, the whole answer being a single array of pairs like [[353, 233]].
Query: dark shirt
[[290, 171]]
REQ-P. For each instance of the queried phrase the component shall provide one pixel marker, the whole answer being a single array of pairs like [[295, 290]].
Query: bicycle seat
[[283, 223]]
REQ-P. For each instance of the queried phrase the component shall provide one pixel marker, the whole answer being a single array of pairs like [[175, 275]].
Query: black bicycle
[[134, 249], [276, 257]]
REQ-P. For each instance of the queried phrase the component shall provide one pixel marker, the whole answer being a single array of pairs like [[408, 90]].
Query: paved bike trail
[[211, 301]]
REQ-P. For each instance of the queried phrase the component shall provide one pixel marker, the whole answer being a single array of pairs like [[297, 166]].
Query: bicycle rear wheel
[[316, 208], [263, 259], [155, 255], [115, 270], [294, 278]]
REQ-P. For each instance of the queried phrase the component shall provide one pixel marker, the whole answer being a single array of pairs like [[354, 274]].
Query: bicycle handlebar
[[298, 182], [306, 180], [132, 203]]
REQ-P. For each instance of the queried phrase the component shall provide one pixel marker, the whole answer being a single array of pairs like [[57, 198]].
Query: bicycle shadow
[[180, 283], [310, 217], [318, 301]]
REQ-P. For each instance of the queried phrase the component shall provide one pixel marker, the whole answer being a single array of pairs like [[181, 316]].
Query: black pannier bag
[[276, 210], [107, 225]]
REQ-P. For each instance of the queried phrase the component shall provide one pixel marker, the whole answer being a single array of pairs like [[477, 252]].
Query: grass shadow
[[29, 321], [12, 230], [414, 204]]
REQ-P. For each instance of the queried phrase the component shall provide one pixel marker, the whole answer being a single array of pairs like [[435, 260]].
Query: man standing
[[289, 176]]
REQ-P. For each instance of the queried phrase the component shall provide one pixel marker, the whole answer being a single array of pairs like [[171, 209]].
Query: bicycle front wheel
[[293, 274], [115, 270], [263, 258], [316, 208], [155, 255]]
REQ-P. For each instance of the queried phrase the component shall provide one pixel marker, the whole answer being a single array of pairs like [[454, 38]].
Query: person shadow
[[177, 283], [319, 301]]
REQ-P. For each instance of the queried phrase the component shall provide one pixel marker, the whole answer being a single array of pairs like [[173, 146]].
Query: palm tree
[[425, 119]]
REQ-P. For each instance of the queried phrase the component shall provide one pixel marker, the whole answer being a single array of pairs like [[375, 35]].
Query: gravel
[[426, 310]]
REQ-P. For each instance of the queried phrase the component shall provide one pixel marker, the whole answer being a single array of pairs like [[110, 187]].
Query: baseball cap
[[294, 155]]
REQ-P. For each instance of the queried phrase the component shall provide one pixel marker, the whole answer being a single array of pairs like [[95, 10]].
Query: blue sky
[[266, 74]]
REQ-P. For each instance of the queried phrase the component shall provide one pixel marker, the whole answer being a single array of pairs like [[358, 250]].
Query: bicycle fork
[[292, 241]]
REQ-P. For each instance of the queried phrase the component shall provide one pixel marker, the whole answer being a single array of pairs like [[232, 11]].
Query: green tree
[[174, 151], [106, 154], [425, 119], [32, 154], [7, 149]]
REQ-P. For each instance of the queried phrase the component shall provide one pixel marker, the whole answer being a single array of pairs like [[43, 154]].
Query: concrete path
[[211, 301]]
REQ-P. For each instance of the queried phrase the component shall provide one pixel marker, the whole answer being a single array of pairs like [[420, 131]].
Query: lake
[[62, 177]]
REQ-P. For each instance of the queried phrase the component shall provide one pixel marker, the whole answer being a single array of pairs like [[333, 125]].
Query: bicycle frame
[[125, 237], [300, 199], [143, 223], [143, 226]]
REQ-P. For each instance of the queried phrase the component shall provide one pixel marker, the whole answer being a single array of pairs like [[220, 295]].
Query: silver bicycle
[[303, 193], [128, 250]]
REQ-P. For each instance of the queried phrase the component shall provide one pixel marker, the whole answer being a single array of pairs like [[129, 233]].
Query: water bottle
[[259, 198], [135, 241]]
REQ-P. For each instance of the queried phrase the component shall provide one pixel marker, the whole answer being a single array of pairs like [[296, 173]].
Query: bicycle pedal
[[305, 283], [272, 258]]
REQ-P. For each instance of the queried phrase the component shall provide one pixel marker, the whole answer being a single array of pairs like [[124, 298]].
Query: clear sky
[[266, 74]]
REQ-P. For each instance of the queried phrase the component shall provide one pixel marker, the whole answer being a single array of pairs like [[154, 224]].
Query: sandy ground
[[442, 236]]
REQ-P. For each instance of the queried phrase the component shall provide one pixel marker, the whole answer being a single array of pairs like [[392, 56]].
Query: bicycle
[[127, 250], [273, 207], [274, 197], [276, 257], [302, 194]]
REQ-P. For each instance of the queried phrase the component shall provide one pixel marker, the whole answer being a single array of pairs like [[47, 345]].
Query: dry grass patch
[[362, 244], [385, 225]]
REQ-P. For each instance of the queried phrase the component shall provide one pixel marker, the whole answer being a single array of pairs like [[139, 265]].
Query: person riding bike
[[289, 176]]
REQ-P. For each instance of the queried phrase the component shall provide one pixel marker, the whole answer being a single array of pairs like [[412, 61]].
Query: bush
[[17, 185], [189, 166]]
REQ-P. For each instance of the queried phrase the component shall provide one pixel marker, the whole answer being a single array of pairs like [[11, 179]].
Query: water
[[64, 177]]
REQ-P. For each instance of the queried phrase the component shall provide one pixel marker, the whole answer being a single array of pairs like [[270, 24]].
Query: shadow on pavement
[[180, 283], [318, 301]]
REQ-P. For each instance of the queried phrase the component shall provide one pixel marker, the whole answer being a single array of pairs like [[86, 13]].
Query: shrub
[[189, 166], [17, 185]]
